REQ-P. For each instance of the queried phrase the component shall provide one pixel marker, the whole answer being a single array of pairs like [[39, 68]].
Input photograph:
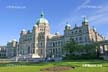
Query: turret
[[57, 33], [85, 21], [35, 26], [23, 32], [67, 29], [68, 26]]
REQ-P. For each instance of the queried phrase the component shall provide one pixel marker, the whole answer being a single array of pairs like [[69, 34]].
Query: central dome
[[42, 20]]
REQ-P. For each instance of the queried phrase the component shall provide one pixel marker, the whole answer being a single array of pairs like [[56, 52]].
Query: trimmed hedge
[[78, 57]]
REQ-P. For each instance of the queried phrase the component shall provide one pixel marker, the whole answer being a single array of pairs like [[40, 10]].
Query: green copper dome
[[42, 20], [68, 25], [85, 19]]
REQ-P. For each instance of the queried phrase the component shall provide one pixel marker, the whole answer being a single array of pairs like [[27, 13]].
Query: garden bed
[[57, 68]]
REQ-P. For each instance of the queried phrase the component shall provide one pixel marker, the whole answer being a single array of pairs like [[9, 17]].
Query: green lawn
[[33, 67]]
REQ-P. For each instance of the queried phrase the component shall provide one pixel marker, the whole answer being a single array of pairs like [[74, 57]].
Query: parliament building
[[40, 43]]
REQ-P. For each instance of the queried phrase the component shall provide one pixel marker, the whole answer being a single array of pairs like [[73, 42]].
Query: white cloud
[[103, 9], [15, 7], [86, 4], [83, 4], [100, 16]]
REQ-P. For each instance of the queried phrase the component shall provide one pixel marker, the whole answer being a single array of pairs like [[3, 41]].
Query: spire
[[68, 25], [75, 25], [85, 21], [42, 14]]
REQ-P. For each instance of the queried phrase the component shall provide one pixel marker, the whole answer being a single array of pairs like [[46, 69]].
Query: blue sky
[[16, 15]]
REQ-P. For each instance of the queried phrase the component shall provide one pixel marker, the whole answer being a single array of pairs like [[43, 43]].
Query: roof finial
[[67, 24], [84, 18], [75, 25], [42, 14]]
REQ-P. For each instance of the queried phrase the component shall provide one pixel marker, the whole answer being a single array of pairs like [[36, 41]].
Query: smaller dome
[[14, 40], [85, 19], [94, 28], [23, 30], [57, 33], [35, 25], [9, 41], [68, 25]]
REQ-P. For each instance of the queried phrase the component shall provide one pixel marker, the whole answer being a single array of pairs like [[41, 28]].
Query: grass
[[34, 67]]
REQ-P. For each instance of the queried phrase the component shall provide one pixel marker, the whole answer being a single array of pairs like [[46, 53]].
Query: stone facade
[[11, 48], [2, 51], [40, 43]]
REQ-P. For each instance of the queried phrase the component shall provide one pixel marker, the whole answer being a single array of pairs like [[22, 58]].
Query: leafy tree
[[97, 49], [70, 47], [83, 51], [90, 48]]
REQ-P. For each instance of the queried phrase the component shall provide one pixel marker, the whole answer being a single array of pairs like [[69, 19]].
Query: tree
[[83, 51], [70, 47], [97, 49], [90, 48]]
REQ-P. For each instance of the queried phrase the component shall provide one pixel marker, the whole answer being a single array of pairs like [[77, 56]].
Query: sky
[[16, 15]]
